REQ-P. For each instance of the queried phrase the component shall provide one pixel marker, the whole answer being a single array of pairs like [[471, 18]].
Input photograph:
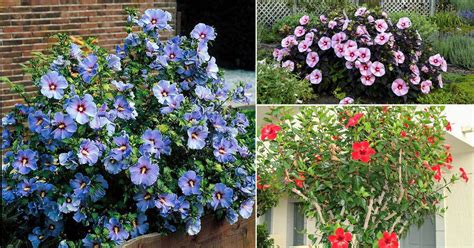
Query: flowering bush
[[366, 174], [365, 56], [114, 146]]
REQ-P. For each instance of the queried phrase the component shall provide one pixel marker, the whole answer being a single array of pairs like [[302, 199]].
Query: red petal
[[332, 238], [348, 236], [365, 158], [340, 232], [355, 155]]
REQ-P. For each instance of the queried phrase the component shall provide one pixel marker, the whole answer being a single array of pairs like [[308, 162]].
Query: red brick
[[26, 26]]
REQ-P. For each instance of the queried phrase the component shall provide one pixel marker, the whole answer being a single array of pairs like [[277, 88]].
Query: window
[[267, 220], [298, 224]]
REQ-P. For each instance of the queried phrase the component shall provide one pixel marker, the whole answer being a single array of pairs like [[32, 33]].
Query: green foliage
[[263, 237], [392, 190], [278, 86], [463, 4], [456, 49], [427, 29], [287, 24], [459, 89], [447, 21], [266, 35]]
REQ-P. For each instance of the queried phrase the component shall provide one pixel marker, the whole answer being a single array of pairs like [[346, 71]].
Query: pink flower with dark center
[[332, 24], [304, 20], [309, 37], [436, 60], [339, 50], [403, 23], [426, 86], [350, 44], [425, 69], [415, 79], [289, 41], [367, 80], [364, 54], [312, 59], [365, 69], [338, 38], [304, 46], [361, 30], [351, 54], [299, 31], [414, 69], [360, 11], [346, 100], [288, 65], [315, 77], [382, 38], [349, 65], [399, 57], [377, 68], [399, 87], [324, 43], [278, 54], [323, 18], [381, 25]]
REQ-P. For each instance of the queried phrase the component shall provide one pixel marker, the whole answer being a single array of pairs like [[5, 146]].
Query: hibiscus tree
[[366, 174]]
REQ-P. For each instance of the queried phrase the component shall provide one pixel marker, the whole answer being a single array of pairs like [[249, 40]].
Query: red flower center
[[52, 86], [81, 108]]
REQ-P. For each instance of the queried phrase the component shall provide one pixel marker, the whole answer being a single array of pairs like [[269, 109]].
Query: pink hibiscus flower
[[399, 57], [415, 79], [403, 23], [315, 77], [304, 20], [299, 31], [360, 11], [288, 65], [351, 54], [399, 87], [364, 68], [338, 38], [349, 65], [370, 19], [367, 80], [312, 59], [364, 54], [309, 37], [377, 68], [414, 69], [332, 24], [323, 18], [361, 30], [350, 44], [339, 50], [304, 46], [382, 38], [289, 41], [381, 25], [346, 100], [436, 60], [324, 43], [426, 86]]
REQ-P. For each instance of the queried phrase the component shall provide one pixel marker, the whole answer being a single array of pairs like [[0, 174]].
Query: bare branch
[[369, 212], [315, 204]]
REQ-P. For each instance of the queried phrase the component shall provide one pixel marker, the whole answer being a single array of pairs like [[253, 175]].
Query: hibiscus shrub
[[114, 146], [364, 55], [366, 174]]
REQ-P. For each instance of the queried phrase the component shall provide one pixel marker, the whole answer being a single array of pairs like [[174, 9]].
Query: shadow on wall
[[234, 22]]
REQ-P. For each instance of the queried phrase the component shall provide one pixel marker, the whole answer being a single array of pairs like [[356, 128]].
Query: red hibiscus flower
[[354, 120], [464, 174], [299, 181], [403, 134], [362, 151], [341, 239], [449, 159], [406, 125], [431, 140], [448, 127], [437, 168], [269, 132], [389, 240], [261, 186]]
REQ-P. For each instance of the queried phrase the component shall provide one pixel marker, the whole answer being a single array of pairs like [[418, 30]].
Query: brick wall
[[26, 26]]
